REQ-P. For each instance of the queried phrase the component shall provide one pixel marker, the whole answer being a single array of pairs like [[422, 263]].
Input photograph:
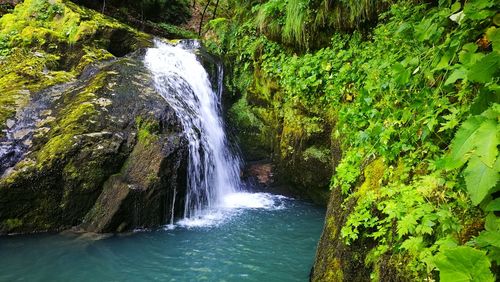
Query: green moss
[[333, 272], [374, 172], [147, 130], [12, 223], [92, 54], [22, 73], [298, 127], [72, 121], [242, 115], [54, 148], [320, 154], [35, 21], [34, 43], [332, 226]]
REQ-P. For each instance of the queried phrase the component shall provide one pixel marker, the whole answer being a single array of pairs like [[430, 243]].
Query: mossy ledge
[[44, 43], [108, 134]]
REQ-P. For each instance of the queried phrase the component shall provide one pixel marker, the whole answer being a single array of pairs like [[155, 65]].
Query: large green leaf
[[485, 69], [401, 74], [493, 205], [479, 178], [492, 222], [487, 134], [464, 142], [463, 264]]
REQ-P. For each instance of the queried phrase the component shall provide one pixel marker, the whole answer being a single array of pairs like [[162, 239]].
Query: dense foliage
[[167, 11], [415, 106]]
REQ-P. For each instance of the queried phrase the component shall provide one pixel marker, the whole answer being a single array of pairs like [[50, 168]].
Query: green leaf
[[485, 69], [496, 19], [459, 73], [413, 244], [488, 135], [479, 179], [477, 10], [469, 47], [407, 224], [488, 238], [425, 30], [493, 205], [493, 112], [463, 264], [494, 254], [492, 222], [401, 74], [485, 99], [455, 7], [463, 142], [493, 35], [468, 59], [426, 227]]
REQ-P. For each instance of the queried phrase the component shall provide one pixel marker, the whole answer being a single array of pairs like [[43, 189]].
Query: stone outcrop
[[295, 140], [105, 148], [86, 140]]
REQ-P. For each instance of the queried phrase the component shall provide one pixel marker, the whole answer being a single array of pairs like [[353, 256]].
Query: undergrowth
[[416, 106]]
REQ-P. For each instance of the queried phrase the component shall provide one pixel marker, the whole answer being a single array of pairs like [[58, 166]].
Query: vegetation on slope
[[414, 107], [158, 17], [43, 43]]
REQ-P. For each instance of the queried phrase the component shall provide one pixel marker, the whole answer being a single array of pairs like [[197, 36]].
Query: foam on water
[[233, 205], [253, 201]]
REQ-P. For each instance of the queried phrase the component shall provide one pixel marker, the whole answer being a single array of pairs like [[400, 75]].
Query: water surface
[[263, 238]]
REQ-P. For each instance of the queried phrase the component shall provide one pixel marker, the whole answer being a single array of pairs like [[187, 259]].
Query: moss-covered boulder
[[86, 140], [106, 144], [44, 43]]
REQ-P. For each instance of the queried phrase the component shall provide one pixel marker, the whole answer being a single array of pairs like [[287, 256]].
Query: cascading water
[[213, 171]]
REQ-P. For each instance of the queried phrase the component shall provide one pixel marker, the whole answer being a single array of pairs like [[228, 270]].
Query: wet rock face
[[297, 141], [104, 152], [336, 261]]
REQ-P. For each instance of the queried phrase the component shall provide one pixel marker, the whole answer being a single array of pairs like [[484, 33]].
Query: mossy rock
[[82, 137], [340, 260], [69, 107], [46, 43], [336, 260], [297, 140]]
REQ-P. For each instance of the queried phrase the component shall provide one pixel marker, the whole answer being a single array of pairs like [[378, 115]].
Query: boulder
[[104, 151]]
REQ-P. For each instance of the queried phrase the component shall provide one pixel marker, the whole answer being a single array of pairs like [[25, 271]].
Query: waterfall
[[213, 171]]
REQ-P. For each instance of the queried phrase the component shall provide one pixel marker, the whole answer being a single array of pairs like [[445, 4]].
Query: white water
[[213, 171]]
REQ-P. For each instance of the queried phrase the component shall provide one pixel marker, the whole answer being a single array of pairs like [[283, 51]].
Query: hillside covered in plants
[[393, 107]]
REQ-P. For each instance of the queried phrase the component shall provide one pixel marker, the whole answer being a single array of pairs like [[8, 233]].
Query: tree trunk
[[215, 10], [203, 16]]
